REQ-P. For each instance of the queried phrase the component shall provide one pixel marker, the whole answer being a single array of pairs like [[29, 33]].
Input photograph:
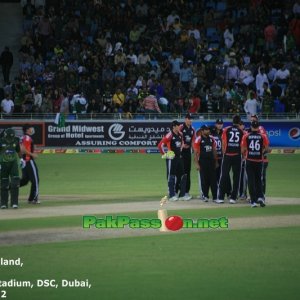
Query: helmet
[[9, 134]]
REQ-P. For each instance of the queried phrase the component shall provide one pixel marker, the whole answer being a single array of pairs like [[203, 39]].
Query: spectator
[[261, 78], [282, 76], [194, 103], [132, 57], [107, 75], [270, 36], [296, 8], [295, 29], [65, 107], [175, 62], [44, 28], [38, 99], [120, 58], [267, 103], [144, 58], [135, 33], [7, 105], [276, 90], [163, 104], [194, 32], [278, 106], [150, 105], [186, 76], [118, 99], [93, 107], [246, 76], [28, 14], [171, 19], [251, 106], [271, 72], [6, 61], [228, 37], [141, 9], [233, 71], [167, 84]]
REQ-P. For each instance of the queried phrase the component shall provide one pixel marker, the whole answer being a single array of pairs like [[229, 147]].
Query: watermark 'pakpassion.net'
[[172, 223]]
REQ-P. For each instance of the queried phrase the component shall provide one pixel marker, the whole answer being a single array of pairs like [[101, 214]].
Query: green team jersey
[[9, 149]]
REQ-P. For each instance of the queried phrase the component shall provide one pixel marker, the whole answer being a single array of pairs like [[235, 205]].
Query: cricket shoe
[[253, 205], [3, 206], [232, 201], [36, 200], [261, 202], [219, 201], [185, 198], [205, 199], [174, 198], [15, 206], [188, 195]]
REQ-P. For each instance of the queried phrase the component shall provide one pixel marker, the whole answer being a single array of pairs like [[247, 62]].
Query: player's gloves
[[169, 155], [22, 163]]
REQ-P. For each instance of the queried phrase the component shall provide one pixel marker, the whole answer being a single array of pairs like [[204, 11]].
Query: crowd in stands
[[227, 56]]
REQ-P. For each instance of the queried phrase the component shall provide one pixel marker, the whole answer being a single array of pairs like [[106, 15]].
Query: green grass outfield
[[138, 177], [216, 264], [246, 264]]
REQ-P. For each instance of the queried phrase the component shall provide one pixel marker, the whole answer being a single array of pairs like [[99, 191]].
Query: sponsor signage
[[135, 134], [105, 135]]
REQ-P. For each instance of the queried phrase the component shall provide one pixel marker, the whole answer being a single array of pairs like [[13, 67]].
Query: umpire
[[231, 147], [253, 146], [206, 161]]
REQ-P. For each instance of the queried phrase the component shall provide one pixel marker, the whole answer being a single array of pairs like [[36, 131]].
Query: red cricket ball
[[174, 223]]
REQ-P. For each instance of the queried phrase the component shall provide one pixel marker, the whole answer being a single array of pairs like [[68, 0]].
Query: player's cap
[[254, 124], [175, 123], [254, 116], [189, 116], [219, 121], [204, 127]]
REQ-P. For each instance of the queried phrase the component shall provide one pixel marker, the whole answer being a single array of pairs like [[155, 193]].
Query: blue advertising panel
[[282, 134]]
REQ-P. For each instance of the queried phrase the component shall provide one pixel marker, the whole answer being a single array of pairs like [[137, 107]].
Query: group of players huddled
[[217, 152]]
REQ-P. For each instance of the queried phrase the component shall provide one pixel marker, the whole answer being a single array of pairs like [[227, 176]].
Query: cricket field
[[45, 253]]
